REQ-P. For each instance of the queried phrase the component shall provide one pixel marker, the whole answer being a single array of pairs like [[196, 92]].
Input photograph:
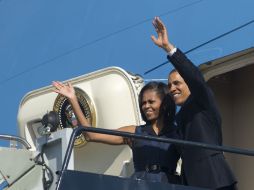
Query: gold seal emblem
[[67, 117]]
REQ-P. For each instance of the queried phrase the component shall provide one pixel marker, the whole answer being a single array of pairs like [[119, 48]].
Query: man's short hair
[[172, 71]]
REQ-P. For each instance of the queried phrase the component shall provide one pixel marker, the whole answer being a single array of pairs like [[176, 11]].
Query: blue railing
[[77, 131]]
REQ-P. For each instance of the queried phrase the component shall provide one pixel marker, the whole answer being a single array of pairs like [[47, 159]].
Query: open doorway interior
[[234, 92]]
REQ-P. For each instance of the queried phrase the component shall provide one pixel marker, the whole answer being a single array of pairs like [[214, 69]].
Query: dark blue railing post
[[67, 156]]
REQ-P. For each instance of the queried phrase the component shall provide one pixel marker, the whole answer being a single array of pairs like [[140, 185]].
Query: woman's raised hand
[[66, 90]]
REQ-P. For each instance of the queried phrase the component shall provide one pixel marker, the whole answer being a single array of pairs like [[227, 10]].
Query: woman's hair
[[167, 108]]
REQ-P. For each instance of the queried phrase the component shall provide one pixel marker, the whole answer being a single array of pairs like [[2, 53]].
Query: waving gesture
[[66, 90], [162, 39], [69, 92]]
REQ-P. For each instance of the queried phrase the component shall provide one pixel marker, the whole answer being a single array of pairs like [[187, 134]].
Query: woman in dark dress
[[153, 161]]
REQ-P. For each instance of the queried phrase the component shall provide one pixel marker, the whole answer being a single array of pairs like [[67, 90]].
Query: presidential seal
[[67, 117]]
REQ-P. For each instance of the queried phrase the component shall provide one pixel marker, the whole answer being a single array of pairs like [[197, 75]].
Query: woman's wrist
[[73, 99]]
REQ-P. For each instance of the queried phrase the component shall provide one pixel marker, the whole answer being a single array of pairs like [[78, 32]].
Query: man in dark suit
[[198, 119]]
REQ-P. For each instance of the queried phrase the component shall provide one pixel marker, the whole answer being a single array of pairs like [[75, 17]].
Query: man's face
[[178, 88]]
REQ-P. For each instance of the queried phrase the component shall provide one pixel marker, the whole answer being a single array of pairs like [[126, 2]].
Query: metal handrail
[[80, 129], [16, 138]]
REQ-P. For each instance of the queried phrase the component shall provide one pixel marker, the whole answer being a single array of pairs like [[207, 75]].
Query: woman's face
[[151, 103]]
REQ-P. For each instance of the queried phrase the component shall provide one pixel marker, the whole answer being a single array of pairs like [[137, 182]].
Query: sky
[[46, 40]]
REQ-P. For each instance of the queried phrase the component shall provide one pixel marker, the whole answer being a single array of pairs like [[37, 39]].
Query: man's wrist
[[169, 48], [172, 51]]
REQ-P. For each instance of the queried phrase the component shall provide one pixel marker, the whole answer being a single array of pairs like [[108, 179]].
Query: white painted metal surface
[[113, 94]]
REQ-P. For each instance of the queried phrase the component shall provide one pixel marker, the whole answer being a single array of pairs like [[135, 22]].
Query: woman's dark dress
[[148, 155]]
